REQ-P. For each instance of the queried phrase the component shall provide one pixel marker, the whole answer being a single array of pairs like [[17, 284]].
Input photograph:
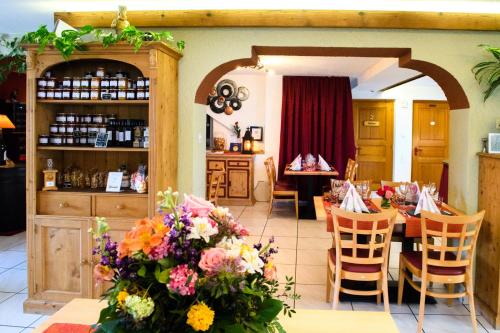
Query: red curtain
[[317, 118]]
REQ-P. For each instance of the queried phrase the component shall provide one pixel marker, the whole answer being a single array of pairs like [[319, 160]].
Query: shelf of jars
[[75, 148], [100, 191], [93, 102]]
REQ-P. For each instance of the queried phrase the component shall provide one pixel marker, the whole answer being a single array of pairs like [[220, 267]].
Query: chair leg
[[271, 199], [469, 287], [379, 287], [328, 281], [451, 290], [297, 205], [336, 288], [385, 292], [401, 282], [421, 309]]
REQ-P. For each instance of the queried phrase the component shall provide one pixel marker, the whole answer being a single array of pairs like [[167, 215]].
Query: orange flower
[[146, 235], [103, 273]]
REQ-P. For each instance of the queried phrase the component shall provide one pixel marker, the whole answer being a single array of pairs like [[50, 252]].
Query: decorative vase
[[386, 203]]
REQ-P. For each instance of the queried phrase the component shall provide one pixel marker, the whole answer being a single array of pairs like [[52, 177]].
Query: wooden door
[[117, 230], [373, 129], [430, 140], [239, 180], [61, 263]]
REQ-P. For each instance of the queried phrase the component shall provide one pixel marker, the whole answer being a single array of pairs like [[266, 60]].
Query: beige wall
[[455, 51]]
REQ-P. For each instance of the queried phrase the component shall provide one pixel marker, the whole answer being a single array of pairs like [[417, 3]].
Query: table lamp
[[4, 123]]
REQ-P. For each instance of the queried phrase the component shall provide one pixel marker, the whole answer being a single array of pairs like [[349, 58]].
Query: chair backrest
[[390, 183], [456, 239], [350, 170], [271, 173], [376, 227], [214, 185]]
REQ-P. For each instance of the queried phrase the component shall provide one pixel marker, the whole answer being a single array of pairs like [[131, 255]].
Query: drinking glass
[[365, 190], [404, 188], [432, 188]]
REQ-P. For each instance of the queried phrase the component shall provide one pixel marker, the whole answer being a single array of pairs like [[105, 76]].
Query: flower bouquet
[[386, 192], [188, 269]]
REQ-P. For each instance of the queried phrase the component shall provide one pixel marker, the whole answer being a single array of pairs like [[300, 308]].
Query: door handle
[[417, 150]]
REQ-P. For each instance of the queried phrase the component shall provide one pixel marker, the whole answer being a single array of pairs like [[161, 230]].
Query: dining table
[[309, 183]]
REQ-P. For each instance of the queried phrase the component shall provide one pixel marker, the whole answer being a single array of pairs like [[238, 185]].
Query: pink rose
[[389, 194], [212, 259], [197, 206]]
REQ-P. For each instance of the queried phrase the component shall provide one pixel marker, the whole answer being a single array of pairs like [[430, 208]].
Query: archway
[[454, 92]]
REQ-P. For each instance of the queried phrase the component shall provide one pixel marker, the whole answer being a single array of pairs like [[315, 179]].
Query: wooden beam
[[291, 18], [400, 83]]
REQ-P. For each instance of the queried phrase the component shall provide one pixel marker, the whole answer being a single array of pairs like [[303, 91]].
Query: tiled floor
[[302, 254]]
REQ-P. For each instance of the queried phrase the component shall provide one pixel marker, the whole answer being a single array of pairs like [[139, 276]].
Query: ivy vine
[[13, 58]]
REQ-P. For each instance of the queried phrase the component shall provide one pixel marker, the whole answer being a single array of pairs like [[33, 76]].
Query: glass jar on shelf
[[70, 128], [75, 93], [43, 139], [85, 94], [41, 83], [105, 94], [100, 72], [61, 117], [131, 94], [54, 128], [71, 117], [98, 118], [95, 82], [51, 82], [94, 94], [105, 83], [114, 94], [66, 93], [113, 82], [122, 95], [83, 128], [61, 129], [69, 139], [141, 94], [123, 83], [58, 93], [85, 82], [87, 119], [76, 83], [66, 82], [50, 93], [41, 93]]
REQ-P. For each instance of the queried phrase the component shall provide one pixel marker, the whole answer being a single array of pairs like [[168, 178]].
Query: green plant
[[487, 73], [70, 41]]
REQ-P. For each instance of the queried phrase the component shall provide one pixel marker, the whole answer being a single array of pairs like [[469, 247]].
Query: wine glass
[[404, 188], [432, 188], [365, 190]]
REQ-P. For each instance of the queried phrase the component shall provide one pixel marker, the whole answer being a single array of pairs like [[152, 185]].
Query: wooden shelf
[[118, 149], [93, 102], [87, 191]]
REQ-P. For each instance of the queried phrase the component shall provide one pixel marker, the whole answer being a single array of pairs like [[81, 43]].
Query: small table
[[309, 184], [86, 312]]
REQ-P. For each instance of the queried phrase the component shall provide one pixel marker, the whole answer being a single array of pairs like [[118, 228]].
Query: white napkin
[[425, 202], [322, 164], [352, 201], [414, 193], [296, 165]]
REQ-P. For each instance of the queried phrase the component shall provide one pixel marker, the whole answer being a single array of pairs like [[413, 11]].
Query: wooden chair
[[450, 263], [214, 185], [279, 190], [390, 183], [350, 170], [360, 262]]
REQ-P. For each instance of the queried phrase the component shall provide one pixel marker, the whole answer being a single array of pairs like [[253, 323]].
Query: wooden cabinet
[[487, 284], [59, 246], [59, 255], [237, 184]]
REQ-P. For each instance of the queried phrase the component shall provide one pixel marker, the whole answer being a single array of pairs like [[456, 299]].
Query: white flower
[[139, 307], [250, 256], [232, 246], [202, 228]]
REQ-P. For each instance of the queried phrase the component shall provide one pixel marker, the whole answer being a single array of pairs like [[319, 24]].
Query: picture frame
[[257, 133], [235, 147], [114, 182], [494, 143], [101, 141]]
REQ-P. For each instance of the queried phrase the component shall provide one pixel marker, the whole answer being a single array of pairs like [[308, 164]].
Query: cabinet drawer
[[222, 192], [238, 163], [216, 165], [222, 181], [121, 206], [64, 204]]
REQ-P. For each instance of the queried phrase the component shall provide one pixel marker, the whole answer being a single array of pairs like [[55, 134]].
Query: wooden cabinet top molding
[[486, 155]]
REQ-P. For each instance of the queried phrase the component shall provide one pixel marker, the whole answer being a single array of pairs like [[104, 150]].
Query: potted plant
[[487, 73]]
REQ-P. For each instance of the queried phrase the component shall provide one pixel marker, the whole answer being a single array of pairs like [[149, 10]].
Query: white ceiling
[[367, 74]]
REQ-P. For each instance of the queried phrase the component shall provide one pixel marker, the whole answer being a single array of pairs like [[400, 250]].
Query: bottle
[[121, 134], [110, 129], [128, 133]]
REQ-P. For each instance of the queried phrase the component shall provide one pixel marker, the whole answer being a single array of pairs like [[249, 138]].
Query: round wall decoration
[[227, 88], [216, 105], [227, 97]]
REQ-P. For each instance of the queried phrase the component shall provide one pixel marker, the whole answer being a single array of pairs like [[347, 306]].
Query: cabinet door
[[61, 258], [117, 231], [238, 183]]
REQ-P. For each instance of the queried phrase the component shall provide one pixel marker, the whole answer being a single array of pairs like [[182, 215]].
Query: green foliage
[[14, 59], [487, 73]]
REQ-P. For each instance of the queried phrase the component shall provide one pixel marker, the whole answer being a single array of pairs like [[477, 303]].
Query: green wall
[[455, 51]]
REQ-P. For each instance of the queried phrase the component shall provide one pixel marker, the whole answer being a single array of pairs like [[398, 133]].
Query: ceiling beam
[[291, 18]]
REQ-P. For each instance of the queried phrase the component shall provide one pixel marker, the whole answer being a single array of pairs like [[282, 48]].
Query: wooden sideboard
[[487, 285], [237, 183]]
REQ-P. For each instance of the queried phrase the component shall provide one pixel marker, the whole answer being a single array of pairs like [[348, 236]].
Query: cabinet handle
[[119, 206], [63, 205]]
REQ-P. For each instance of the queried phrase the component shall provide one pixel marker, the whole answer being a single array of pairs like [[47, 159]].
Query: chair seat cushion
[[415, 258], [284, 187], [355, 268]]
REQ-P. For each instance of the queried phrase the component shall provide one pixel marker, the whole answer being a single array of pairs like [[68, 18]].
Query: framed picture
[[257, 133], [235, 147], [101, 140], [494, 143], [114, 182]]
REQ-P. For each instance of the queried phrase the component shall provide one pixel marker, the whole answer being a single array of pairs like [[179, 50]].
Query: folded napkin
[[414, 193], [296, 164], [352, 201], [322, 164], [426, 202], [69, 328]]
